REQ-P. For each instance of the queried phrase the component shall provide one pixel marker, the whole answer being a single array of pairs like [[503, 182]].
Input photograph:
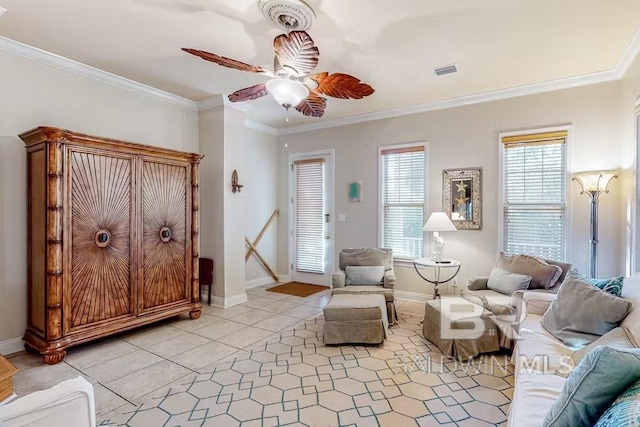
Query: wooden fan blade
[[313, 105], [296, 52], [224, 61], [340, 85], [249, 93]]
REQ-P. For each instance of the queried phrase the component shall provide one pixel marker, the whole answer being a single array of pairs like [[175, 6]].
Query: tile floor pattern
[[228, 368]]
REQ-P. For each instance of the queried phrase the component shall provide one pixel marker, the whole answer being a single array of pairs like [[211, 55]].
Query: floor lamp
[[594, 183]]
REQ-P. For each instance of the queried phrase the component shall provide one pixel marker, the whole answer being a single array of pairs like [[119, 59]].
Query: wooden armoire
[[113, 237]]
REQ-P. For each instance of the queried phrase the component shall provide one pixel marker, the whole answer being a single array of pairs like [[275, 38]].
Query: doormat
[[298, 289]]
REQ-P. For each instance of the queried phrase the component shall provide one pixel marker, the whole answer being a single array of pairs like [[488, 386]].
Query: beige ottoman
[[460, 328], [355, 319]]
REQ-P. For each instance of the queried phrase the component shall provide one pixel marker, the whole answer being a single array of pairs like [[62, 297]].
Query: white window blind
[[402, 187], [535, 195], [309, 199]]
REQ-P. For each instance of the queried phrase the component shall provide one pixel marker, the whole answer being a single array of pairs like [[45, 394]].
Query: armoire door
[[165, 259], [101, 196]]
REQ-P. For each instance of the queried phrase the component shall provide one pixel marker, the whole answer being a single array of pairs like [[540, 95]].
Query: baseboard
[[229, 302], [11, 346], [261, 281], [411, 296]]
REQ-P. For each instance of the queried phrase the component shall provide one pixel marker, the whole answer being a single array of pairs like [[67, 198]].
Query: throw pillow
[[364, 275], [543, 275], [592, 386], [612, 285], [365, 257], [506, 282], [564, 266], [616, 338], [581, 313], [625, 410], [477, 283]]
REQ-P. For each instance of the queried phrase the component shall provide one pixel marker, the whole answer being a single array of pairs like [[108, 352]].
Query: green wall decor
[[355, 191]]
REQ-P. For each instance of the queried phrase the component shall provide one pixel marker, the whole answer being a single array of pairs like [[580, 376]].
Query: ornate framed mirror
[[462, 197]]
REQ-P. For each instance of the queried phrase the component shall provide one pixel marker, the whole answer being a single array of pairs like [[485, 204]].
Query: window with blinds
[[402, 172], [309, 219], [535, 194]]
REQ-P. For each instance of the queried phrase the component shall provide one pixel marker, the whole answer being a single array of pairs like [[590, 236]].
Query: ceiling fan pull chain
[[286, 128]]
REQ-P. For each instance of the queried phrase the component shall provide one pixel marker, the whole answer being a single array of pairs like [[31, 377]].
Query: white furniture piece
[[68, 404], [451, 267], [541, 360], [437, 222]]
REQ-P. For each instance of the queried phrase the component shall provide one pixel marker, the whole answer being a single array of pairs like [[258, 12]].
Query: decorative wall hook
[[235, 187]]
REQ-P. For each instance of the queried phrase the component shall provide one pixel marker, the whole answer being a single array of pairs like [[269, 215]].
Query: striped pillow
[[625, 411]]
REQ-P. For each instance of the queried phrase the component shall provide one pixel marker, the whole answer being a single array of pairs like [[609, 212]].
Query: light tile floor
[[126, 368], [263, 363]]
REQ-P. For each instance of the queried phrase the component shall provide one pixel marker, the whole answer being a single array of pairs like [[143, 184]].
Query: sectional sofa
[[543, 363]]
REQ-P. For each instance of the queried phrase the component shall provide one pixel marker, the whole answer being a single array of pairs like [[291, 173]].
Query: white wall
[[34, 94], [468, 137], [259, 174], [211, 134], [630, 93], [254, 155], [227, 217]]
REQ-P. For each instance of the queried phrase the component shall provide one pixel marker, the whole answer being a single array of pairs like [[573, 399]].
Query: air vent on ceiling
[[448, 69]]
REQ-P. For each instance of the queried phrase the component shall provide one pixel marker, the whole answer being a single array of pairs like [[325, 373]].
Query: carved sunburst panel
[[100, 222], [164, 205]]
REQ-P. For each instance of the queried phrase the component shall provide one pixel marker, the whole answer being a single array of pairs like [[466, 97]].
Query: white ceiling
[[392, 45]]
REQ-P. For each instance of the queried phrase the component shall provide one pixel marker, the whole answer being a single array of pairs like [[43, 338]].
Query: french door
[[312, 214]]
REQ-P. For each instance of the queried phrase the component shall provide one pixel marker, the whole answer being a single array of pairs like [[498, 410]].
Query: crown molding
[[220, 100], [209, 103], [20, 49], [261, 127], [626, 60], [461, 101], [629, 55]]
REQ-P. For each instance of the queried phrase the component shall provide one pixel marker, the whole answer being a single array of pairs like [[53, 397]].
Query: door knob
[[327, 237]]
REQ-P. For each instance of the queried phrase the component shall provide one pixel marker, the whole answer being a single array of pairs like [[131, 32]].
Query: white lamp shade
[[287, 92], [439, 221], [595, 181]]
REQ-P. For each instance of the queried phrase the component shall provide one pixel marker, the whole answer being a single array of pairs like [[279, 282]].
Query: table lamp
[[437, 222]]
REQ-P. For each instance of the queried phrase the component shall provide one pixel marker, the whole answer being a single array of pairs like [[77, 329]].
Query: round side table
[[451, 267]]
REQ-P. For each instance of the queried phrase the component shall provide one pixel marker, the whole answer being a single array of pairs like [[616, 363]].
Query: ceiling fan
[[292, 83]]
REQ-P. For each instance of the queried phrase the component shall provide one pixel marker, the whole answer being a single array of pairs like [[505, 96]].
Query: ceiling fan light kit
[[287, 92], [296, 56]]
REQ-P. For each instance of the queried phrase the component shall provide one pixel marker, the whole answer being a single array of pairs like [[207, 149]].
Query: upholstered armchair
[[379, 279]]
